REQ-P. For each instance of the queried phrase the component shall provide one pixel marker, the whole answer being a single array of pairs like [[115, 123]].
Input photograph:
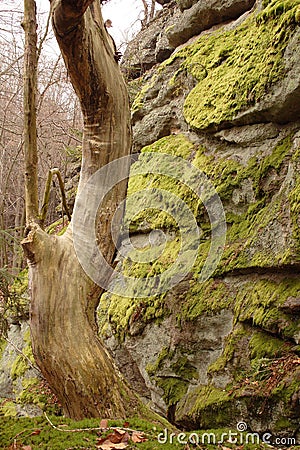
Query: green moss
[[39, 434], [240, 65], [209, 297], [165, 353], [172, 374], [139, 99], [262, 345], [59, 227], [124, 312], [34, 392], [230, 347], [282, 424], [20, 284], [207, 396], [288, 386], [8, 409], [257, 302], [141, 188], [173, 389], [207, 405], [19, 367], [294, 200], [3, 345], [20, 364], [176, 145]]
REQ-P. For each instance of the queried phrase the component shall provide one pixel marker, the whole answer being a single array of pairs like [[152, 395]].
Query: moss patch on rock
[[236, 68]]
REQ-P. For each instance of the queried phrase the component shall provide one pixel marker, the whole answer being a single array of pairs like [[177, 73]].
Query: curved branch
[[44, 209]]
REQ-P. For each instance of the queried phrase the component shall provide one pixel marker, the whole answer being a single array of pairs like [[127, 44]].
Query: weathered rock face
[[216, 352], [201, 15], [151, 45], [208, 353], [19, 381]]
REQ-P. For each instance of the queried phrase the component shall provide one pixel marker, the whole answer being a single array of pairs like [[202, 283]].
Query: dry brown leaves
[[119, 438]]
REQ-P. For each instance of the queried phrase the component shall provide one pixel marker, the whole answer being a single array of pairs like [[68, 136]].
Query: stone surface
[[12, 378], [202, 15], [150, 46], [211, 353], [282, 103], [186, 4], [291, 305]]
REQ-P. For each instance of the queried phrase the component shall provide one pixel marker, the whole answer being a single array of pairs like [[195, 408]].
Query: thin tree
[[63, 299]]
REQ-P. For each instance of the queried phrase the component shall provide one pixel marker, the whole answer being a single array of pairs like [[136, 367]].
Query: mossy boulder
[[23, 392], [201, 15], [227, 349]]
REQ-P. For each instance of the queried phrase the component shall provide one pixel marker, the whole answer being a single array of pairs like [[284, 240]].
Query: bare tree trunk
[[30, 89], [63, 326]]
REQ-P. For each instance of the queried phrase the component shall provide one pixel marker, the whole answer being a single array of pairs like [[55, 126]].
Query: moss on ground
[[38, 434]]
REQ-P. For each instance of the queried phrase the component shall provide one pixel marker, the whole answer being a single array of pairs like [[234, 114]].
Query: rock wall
[[216, 352], [215, 84]]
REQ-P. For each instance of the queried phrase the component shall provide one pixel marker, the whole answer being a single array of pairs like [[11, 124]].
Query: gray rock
[[249, 134], [282, 103], [203, 15], [186, 4], [150, 46], [291, 305]]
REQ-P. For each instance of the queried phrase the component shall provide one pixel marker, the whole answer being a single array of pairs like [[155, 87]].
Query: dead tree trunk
[[63, 299]]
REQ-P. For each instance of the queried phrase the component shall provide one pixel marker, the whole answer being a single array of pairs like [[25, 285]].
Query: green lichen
[[240, 65]]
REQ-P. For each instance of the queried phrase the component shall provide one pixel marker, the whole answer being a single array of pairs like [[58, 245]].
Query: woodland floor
[[64, 434]]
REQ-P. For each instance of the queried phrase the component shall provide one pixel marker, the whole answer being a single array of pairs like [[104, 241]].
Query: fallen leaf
[[105, 439], [126, 424], [138, 437], [120, 431], [118, 437]]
